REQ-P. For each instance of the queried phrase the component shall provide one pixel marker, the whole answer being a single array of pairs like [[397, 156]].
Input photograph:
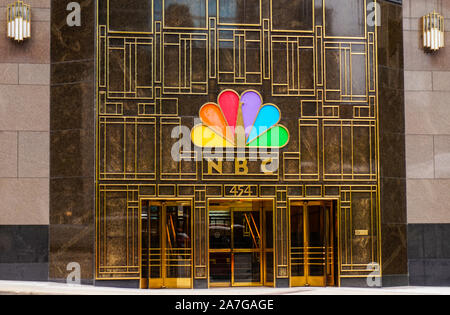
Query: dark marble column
[[72, 142], [392, 146]]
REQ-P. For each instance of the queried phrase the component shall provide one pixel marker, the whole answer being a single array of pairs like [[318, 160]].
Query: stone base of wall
[[24, 253], [123, 284], [429, 254]]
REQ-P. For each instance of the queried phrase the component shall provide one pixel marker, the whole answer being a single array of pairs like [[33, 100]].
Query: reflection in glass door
[[247, 247], [220, 246], [312, 241], [268, 248], [166, 244], [240, 244]]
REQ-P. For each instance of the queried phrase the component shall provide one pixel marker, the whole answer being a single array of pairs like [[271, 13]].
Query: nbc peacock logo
[[240, 121]]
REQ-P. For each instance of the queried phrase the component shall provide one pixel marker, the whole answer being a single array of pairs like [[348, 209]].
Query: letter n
[[213, 166]]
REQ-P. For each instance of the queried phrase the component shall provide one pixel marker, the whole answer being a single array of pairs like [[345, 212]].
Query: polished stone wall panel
[[72, 143], [393, 197], [71, 201], [24, 252], [429, 254], [72, 159], [392, 146], [395, 250], [362, 212], [72, 43], [23, 244], [345, 18], [122, 13], [392, 155], [240, 12], [71, 243], [69, 109], [72, 72], [287, 15]]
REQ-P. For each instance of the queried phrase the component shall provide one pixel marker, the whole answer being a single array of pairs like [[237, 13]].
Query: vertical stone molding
[[72, 140]]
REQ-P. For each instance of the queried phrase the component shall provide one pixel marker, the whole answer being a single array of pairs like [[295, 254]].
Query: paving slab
[[49, 288]]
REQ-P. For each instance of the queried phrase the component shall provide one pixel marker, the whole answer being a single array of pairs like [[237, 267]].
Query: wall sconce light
[[19, 21], [433, 32]]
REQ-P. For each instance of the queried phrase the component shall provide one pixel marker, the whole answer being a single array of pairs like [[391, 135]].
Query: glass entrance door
[[312, 243], [246, 247], [167, 244], [239, 246], [268, 249]]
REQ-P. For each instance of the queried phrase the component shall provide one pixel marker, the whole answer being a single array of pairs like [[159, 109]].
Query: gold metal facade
[[159, 61]]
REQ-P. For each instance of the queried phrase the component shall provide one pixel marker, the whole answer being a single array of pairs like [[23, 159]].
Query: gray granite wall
[[427, 96], [24, 148]]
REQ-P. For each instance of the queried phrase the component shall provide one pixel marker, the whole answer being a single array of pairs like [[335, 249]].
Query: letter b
[[241, 167]]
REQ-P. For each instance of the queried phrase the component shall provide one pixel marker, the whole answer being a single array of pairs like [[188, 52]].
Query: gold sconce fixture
[[433, 32], [19, 21]]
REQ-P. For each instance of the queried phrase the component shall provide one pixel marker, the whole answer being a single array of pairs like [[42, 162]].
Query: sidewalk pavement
[[48, 288]]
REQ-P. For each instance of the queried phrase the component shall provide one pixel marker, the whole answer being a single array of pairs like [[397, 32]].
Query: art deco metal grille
[[159, 61]]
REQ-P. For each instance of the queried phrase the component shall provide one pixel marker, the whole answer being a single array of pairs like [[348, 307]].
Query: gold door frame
[[231, 251], [179, 283], [265, 250], [315, 281]]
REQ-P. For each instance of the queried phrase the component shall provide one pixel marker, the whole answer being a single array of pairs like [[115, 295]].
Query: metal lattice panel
[[159, 61]]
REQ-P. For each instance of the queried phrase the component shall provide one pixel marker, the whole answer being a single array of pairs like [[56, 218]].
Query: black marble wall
[[429, 254], [24, 252], [72, 143], [392, 146]]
